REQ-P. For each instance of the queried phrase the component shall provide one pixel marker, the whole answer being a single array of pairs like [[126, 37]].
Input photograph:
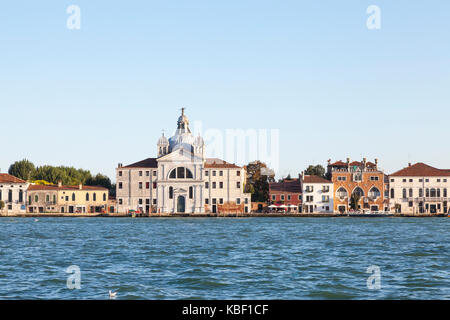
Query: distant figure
[[36, 220], [112, 295]]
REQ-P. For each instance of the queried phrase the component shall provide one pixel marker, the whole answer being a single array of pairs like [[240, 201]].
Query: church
[[181, 179]]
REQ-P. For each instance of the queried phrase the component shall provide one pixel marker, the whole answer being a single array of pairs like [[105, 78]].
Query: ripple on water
[[283, 258]]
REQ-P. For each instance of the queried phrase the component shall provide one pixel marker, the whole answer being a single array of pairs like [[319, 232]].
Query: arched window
[[341, 193], [191, 192], [47, 198], [104, 197], [181, 173], [392, 193], [359, 192], [94, 196], [374, 193], [427, 192], [0, 194], [404, 193], [54, 199], [170, 192], [433, 193], [10, 196], [36, 198], [73, 196], [20, 196], [87, 196]]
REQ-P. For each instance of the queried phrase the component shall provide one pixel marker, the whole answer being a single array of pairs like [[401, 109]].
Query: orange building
[[362, 179]]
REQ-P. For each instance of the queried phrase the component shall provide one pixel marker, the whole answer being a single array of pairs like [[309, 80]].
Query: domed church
[[181, 179]]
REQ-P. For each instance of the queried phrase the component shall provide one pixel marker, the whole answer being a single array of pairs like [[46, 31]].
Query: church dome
[[163, 141]]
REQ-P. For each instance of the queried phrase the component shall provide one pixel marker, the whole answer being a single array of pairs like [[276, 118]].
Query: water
[[215, 258]]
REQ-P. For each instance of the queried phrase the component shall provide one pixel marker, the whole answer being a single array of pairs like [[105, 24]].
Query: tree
[[2, 205], [258, 179], [23, 169], [354, 201], [317, 170]]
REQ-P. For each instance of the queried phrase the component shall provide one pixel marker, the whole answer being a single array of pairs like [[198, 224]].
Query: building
[[317, 194], [419, 189], [67, 199], [360, 180], [286, 193], [13, 193], [181, 179]]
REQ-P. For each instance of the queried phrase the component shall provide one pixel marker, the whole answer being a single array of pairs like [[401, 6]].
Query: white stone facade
[[317, 194], [181, 179], [13, 192], [420, 189]]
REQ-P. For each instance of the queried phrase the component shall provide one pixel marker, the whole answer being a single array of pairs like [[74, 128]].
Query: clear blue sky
[[101, 95]]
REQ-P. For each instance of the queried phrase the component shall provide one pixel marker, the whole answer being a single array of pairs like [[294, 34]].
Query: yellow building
[[66, 199]]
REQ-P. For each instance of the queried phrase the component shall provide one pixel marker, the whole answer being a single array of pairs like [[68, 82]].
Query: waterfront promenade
[[208, 215]]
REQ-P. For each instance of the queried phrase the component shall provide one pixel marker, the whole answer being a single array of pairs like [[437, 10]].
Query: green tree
[[23, 169], [317, 170], [258, 179], [2, 204], [354, 201]]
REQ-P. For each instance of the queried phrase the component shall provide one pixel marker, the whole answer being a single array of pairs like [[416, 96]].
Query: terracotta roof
[[56, 188], [7, 178], [315, 179], [286, 186], [218, 163], [356, 163], [370, 164], [339, 164], [421, 170], [147, 163]]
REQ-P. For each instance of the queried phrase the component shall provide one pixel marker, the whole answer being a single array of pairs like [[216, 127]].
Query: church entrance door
[[181, 204]]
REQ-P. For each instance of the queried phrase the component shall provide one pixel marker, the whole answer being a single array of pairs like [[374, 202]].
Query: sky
[[102, 94]]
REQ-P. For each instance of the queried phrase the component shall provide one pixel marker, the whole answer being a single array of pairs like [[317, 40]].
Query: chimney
[[303, 175], [80, 186], [409, 164], [60, 183], [348, 160], [329, 161]]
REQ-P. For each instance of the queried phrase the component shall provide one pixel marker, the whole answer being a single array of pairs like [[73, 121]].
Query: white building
[[181, 179], [317, 193], [419, 189], [13, 193]]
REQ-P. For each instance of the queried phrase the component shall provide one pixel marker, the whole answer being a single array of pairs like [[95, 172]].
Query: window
[[359, 192], [47, 198], [206, 173], [289, 197], [410, 180], [325, 198], [410, 192], [427, 192], [181, 173], [420, 192], [140, 185], [120, 185], [374, 193], [238, 184], [214, 185], [206, 201], [274, 197], [246, 201], [87, 196], [206, 185], [445, 180], [73, 196], [154, 173], [427, 180], [154, 201], [299, 197], [392, 180], [342, 193], [140, 201], [170, 192], [410, 203], [120, 201], [191, 192], [444, 191], [214, 173], [104, 197], [20, 196], [94, 196], [282, 197], [438, 180], [238, 200], [221, 185], [404, 193], [238, 173], [120, 173], [341, 178], [221, 173], [433, 193], [147, 173], [154, 185], [140, 173], [147, 201], [374, 178], [404, 180], [29, 198], [220, 201], [147, 185]]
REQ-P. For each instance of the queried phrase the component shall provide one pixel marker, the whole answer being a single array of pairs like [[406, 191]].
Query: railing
[[430, 199]]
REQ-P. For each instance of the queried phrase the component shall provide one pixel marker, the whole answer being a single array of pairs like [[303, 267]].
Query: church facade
[[181, 179]]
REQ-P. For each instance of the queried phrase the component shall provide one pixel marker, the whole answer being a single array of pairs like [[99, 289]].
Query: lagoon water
[[225, 258]]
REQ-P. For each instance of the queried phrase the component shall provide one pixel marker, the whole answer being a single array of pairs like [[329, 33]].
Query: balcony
[[428, 199]]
